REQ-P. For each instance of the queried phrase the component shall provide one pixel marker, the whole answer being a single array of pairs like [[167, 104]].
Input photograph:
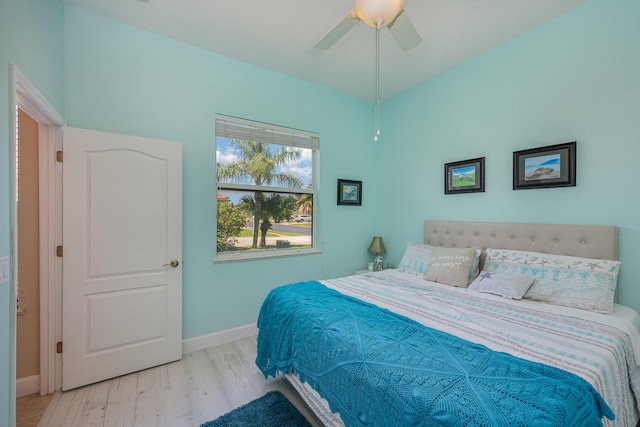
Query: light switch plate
[[4, 270]]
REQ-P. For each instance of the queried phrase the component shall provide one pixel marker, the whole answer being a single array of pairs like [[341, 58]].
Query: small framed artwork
[[466, 176], [349, 192], [544, 167]]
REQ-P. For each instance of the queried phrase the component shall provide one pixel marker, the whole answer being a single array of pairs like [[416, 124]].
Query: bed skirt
[[315, 402]]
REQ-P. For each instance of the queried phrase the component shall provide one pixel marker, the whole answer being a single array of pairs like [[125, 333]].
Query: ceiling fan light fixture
[[371, 11]]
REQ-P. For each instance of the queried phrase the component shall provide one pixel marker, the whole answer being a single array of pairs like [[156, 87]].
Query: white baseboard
[[223, 337], [27, 385]]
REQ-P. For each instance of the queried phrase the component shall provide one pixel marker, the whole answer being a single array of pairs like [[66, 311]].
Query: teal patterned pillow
[[417, 259], [584, 283], [473, 273]]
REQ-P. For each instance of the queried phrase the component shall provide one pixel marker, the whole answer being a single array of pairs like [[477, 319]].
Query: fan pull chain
[[379, 22]]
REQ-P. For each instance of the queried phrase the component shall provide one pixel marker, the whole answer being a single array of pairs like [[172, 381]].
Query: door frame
[[24, 95]]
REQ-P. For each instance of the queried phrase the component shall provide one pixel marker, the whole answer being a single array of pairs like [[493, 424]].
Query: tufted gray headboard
[[588, 241]]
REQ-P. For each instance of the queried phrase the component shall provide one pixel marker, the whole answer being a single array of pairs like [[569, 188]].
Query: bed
[[471, 354]]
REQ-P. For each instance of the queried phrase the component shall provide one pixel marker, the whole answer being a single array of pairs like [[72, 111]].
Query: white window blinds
[[235, 128]]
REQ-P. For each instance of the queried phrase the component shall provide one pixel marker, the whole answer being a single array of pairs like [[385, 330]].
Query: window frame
[[270, 134]]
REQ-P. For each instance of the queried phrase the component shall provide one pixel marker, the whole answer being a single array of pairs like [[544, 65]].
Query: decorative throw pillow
[[417, 259], [584, 283], [512, 286], [450, 266]]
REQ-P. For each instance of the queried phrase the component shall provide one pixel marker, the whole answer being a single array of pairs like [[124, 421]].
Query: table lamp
[[378, 247]]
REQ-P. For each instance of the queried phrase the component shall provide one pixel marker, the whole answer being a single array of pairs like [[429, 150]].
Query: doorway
[[30, 406], [27, 279], [45, 128]]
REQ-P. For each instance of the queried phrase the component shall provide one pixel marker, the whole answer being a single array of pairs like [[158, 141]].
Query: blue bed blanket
[[376, 367]]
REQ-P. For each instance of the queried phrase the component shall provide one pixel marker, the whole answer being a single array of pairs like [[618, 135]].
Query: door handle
[[174, 263]]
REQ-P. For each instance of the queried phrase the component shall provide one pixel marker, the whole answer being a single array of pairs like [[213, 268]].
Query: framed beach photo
[[545, 167], [466, 176], [349, 192]]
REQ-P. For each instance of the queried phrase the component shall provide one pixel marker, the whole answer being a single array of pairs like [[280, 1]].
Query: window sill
[[257, 255]]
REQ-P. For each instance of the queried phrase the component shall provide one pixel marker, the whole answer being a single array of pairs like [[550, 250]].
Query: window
[[265, 193]]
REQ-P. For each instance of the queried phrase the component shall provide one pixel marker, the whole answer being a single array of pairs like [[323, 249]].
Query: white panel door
[[122, 228]]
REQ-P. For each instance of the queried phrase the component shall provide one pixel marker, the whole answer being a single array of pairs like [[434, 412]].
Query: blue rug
[[271, 410]]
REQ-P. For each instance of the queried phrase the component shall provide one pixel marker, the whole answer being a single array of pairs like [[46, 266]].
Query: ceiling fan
[[376, 14]]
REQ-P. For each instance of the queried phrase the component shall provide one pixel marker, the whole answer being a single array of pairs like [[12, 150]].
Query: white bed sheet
[[602, 349]]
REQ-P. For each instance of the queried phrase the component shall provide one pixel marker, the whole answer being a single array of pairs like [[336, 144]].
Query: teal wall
[[575, 78], [32, 38], [124, 80]]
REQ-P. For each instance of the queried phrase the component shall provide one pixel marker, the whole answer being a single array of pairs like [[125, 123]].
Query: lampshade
[[377, 246], [369, 11]]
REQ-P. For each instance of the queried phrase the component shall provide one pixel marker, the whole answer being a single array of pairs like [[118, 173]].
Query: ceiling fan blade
[[340, 29], [404, 32]]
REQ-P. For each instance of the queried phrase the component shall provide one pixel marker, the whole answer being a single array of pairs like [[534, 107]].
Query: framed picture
[[466, 176], [544, 167], [349, 192]]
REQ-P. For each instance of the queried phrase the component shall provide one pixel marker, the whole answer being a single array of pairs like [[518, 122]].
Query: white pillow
[[512, 286]]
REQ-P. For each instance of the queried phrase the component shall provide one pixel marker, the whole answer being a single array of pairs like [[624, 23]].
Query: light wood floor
[[29, 409], [200, 387]]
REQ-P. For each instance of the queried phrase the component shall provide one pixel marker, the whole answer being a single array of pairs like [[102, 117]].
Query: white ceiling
[[280, 34]]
